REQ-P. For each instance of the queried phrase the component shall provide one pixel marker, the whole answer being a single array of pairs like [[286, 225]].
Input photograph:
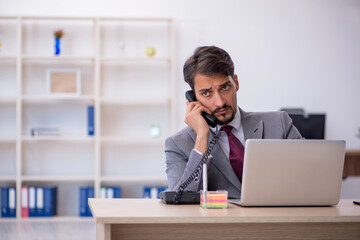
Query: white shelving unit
[[129, 90]]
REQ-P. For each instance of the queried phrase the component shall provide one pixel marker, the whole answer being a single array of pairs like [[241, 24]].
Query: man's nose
[[218, 100]]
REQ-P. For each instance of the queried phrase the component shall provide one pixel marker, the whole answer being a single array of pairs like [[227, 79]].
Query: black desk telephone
[[188, 197]]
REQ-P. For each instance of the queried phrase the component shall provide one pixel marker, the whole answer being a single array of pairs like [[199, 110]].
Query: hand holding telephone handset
[[187, 197], [210, 119]]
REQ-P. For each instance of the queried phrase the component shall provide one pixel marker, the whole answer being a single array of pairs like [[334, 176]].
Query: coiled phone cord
[[195, 174]]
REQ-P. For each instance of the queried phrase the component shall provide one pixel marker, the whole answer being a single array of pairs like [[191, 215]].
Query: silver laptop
[[292, 172]]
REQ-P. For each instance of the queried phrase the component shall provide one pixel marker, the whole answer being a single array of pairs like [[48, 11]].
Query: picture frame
[[63, 81]]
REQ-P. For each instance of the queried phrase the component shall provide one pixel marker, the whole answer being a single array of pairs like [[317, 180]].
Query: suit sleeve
[[290, 131], [179, 166]]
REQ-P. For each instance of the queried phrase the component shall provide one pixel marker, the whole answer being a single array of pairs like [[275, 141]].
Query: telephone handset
[[210, 119]]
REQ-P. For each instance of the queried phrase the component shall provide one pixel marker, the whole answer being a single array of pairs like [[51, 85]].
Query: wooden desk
[[151, 219]]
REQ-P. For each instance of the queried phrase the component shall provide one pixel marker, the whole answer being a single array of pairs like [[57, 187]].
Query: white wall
[[288, 53]]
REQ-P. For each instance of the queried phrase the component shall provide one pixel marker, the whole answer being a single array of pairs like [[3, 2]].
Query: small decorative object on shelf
[[64, 81], [155, 130], [58, 35], [0, 46], [150, 51]]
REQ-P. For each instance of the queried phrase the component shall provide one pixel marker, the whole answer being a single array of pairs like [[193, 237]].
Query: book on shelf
[[91, 123], [152, 192], [84, 194], [8, 202], [42, 201]]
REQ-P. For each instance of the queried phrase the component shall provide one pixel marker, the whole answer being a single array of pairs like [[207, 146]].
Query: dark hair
[[207, 60]]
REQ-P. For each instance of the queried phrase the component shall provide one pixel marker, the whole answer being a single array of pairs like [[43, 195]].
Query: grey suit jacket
[[181, 159]]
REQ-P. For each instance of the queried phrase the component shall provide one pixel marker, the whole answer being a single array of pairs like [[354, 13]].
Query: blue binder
[[12, 201], [32, 202], [117, 192], [91, 126], [54, 201], [40, 201], [82, 201], [4, 202], [50, 201], [90, 194], [146, 193]]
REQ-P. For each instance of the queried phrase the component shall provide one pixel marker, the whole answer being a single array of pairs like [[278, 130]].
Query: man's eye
[[205, 94], [226, 87]]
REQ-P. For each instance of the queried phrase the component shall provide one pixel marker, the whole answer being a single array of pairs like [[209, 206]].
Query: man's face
[[218, 94]]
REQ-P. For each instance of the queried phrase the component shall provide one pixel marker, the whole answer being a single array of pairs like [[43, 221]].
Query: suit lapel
[[252, 127]]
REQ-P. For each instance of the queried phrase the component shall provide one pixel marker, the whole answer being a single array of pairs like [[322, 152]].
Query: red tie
[[236, 155]]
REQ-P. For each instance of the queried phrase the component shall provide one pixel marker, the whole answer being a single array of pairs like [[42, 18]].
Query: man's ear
[[236, 82]]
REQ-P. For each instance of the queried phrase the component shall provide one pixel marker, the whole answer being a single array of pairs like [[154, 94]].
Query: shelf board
[[8, 17], [135, 19], [58, 138], [41, 178], [57, 18], [57, 219], [51, 98], [135, 59], [133, 141], [7, 100], [134, 179], [7, 140], [61, 58], [12, 58], [7, 178], [137, 102]]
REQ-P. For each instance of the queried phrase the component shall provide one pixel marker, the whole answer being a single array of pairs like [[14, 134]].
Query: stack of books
[[38, 201], [8, 202]]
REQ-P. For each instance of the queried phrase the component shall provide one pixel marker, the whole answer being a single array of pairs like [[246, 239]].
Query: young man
[[210, 74]]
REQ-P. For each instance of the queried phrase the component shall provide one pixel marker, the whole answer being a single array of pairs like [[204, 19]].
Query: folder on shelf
[[90, 194], [85, 193], [83, 201], [12, 202], [24, 201], [50, 194], [109, 192], [103, 192], [4, 202], [117, 192], [91, 120], [32, 201], [39, 202]]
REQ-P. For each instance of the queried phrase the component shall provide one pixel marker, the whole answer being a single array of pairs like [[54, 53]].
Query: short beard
[[225, 121]]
